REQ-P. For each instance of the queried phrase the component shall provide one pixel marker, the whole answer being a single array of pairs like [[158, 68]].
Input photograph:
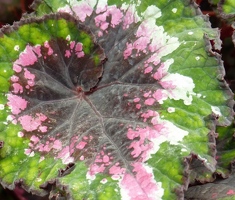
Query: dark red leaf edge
[[208, 187], [219, 189], [195, 166]]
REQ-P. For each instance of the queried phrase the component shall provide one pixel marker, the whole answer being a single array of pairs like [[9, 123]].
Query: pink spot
[[30, 84], [131, 134], [57, 145], [78, 47], [64, 155], [137, 148], [85, 138], [100, 33], [129, 17], [14, 78], [143, 145], [82, 158], [27, 57], [141, 44], [67, 54], [231, 192], [148, 114], [43, 129], [17, 68], [159, 95], [28, 75], [37, 50], [41, 116], [80, 54], [50, 50], [82, 11], [34, 139], [160, 73], [136, 99], [94, 169], [138, 106], [117, 170], [16, 103], [148, 70], [30, 123], [81, 145], [128, 50], [116, 16], [17, 88], [105, 159], [146, 94], [104, 25], [149, 101], [111, 11], [72, 44], [101, 19]]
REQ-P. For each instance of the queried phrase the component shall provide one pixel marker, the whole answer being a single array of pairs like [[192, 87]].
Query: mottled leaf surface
[[110, 99]]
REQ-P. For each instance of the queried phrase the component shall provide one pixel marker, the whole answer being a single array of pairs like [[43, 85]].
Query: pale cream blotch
[[174, 10], [103, 181], [16, 47], [2, 107], [20, 134], [197, 57], [178, 87], [171, 109], [216, 110]]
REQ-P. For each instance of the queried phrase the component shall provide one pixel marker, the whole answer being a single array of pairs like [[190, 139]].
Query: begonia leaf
[[110, 99]]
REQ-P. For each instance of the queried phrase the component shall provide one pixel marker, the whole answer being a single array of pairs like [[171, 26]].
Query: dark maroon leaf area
[[89, 107]]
